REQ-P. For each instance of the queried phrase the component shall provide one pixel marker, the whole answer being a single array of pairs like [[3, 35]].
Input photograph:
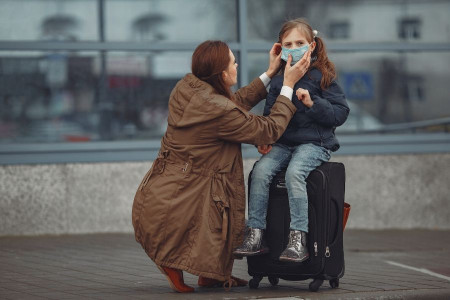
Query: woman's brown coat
[[188, 212]]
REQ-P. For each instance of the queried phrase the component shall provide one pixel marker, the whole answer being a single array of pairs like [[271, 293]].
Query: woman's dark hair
[[319, 58], [209, 60]]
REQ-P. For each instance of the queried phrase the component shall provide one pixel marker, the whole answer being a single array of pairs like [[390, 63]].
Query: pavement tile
[[21, 296], [57, 295], [113, 266]]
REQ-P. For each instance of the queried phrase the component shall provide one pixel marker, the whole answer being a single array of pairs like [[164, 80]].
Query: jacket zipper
[[320, 135]]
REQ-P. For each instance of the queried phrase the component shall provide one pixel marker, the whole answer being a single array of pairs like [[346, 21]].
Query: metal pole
[[103, 105], [243, 42]]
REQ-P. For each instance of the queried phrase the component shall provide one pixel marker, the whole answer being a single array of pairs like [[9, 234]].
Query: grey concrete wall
[[385, 191]]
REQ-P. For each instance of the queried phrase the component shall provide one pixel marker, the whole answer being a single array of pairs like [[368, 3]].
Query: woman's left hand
[[264, 149], [274, 60], [303, 95]]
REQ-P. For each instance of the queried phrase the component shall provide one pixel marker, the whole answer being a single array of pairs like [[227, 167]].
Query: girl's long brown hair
[[321, 61], [209, 60]]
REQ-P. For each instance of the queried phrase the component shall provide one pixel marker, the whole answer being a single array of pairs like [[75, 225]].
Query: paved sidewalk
[[412, 264]]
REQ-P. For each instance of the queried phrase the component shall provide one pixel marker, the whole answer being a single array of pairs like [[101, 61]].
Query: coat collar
[[194, 101]]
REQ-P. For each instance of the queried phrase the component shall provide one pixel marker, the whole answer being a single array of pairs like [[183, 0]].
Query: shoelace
[[251, 237], [296, 241]]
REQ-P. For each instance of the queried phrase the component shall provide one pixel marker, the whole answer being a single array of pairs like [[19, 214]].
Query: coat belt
[[164, 161], [188, 168]]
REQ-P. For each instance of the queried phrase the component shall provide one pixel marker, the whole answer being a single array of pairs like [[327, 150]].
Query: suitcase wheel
[[334, 283], [274, 280], [315, 285], [254, 282]]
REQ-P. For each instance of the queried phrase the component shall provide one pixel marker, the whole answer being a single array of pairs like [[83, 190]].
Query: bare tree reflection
[[148, 26], [60, 27]]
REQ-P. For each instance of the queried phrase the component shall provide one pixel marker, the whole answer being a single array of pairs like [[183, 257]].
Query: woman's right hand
[[264, 149], [274, 60], [294, 73]]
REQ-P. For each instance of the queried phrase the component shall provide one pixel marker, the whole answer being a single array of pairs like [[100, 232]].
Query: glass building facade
[[76, 74]]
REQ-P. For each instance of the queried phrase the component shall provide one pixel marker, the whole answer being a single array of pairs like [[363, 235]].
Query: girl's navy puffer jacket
[[316, 124]]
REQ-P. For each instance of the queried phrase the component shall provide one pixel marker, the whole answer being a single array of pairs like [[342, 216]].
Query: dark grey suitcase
[[326, 189]]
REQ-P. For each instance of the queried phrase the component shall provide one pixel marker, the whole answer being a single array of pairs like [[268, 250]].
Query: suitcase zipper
[[315, 231], [327, 252], [327, 209]]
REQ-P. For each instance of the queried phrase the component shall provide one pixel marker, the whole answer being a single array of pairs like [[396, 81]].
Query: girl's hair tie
[[315, 33]]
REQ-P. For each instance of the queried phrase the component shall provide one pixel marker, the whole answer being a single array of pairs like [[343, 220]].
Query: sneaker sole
[[244, 254], [293, 259]]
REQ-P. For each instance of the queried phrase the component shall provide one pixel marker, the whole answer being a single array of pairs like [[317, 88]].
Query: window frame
[[118, 151]]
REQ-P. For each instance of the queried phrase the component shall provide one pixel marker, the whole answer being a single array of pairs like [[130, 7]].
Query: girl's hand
[[264, 149], [303, 95], [294, 73], [274, 60]]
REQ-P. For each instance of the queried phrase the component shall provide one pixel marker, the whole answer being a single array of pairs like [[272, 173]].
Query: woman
[[188, 212]]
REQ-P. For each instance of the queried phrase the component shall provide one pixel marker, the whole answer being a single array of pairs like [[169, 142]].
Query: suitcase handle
[[281, 184]]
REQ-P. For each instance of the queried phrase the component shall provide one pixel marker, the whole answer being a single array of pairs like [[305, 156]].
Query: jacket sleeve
[[250, 95], [331, 109], [274, 92], [240, 126]]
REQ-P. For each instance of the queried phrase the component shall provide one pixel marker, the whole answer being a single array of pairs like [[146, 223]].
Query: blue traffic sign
[[358, 85]]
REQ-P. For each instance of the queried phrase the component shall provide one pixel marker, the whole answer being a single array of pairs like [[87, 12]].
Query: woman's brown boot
[[209, 282], [176, 280]]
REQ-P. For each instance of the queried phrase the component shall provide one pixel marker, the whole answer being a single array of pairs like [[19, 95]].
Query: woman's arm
[[252, 94], [240, 126]]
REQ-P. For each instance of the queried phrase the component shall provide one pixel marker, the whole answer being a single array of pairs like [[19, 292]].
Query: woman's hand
[[294, 73], [264, 149], [303, 95], [274, 60]]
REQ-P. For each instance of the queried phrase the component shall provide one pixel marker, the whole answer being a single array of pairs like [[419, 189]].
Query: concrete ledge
[[398, 191], [385, 191]]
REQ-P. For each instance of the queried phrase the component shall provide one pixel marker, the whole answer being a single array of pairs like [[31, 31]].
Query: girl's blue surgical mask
[[296, 53]]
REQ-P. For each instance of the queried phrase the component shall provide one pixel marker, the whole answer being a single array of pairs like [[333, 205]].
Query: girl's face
[[230, 74], [296, 38]]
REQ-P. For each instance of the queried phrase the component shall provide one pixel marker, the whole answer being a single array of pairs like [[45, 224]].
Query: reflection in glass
[[171, 20], [355, 21], [386, 88], [396, 87], [138, 89], [48, 20], [47, 97], [62, 96]]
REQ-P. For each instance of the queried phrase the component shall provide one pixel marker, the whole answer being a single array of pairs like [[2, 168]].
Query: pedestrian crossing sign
[[358, 85]]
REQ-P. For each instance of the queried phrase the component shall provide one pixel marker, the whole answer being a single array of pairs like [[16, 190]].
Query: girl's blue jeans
[[300, 161]]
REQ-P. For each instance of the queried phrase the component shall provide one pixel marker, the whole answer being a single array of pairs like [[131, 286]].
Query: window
[[339, 30], [170, 20], [410, 29], [45, 20], [101, 71]]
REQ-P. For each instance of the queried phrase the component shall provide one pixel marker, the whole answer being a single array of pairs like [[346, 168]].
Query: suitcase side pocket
[[335, 222]]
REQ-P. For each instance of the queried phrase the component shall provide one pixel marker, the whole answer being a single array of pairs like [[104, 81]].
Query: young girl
[[305, 145]]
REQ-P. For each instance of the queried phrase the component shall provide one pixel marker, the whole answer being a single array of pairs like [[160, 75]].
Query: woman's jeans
[[300, 161]]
